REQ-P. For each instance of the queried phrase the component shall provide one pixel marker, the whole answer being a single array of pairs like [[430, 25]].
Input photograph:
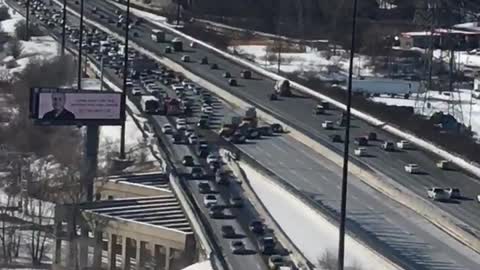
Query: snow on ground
[[8, 26], [466, 108], [205, 265], [322, 236], [144, 14], [310, 61]]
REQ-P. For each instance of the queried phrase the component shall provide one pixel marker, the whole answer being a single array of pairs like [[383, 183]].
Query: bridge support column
[[112, 249]]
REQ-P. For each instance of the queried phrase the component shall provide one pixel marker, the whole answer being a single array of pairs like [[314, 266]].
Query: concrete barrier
[[297, 257], [442, 219]]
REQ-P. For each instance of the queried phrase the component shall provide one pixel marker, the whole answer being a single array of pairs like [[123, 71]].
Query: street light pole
[[64, 25], [80, 43], [125, 75], [27, 21], [343, 207]]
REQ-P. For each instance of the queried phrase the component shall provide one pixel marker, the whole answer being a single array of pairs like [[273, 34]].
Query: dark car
[[246, 74], [236, 202], [196, 173], [215, 212], [204, 187], [265, 130], [214, 66], [372, 136], [232, 82], [277, 128], [257, 227], [188, 161], [238, 138], [267, 245], [222, 177], [361, 141], [227, 75], [204, 60], [167, 49], [202, 124], [253, 133], [228, 231], [335, 138]]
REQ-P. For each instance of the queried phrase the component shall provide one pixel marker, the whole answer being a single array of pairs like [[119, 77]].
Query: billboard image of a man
[[59, 112]]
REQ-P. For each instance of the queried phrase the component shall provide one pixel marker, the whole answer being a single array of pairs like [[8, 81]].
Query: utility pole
[[80, 43], [279, 56], [125, 75], [101, 73], [178, 12], [27, 21], [343, 207], [64, 25]]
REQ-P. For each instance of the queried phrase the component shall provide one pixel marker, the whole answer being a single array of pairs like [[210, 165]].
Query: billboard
[[60, 106]]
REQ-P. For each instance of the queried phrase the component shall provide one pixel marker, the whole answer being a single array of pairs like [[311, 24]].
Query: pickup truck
[[437, 194]]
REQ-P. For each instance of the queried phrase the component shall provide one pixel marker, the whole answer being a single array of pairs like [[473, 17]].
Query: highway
[[297, 111], [393, 228]]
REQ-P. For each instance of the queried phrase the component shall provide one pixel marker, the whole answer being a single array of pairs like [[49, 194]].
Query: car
[[193, 139], [213, 66], [277, 128], [336, 138], [412, 168], [445, 165], [236, 201], [246, 74], [204, 60], [325, 105], [227, 75], [168, 49], [207, 110], [212, 158], [167, 129], [319, 109], [454, 193], [253, 133], [197, 90], [209, 200], [237, 246], [237, 138], [177, 138], [266, 245], [197, 173], [273, 96], [215, 211], [188, 161], [232, 82], [265, 130], [388, 146], [204, 187], [361, 141], [228, 231], [372, 136], [327, 124], [360, 152], [202, 123], [186, 58], [193, 44], [276, 261], [257, 227], [181, 126], [404, 144], [438, 194], [136, 91]]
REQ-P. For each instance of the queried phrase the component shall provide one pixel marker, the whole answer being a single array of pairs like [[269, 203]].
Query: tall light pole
[[27, 21], [64, 24], [343, 207], [125, 75], [80, 49]]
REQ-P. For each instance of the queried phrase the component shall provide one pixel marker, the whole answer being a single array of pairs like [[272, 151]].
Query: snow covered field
[[311, 61], [466, 108], [322, 236]]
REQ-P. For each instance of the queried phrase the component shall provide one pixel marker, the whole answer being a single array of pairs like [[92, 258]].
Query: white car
[[181, 121], [412, 168], [193, 139], [167, 129], [437, 194], [186, 83], [478, 198], [454, 193], [136, 91], [207, 110], [444, 165], [209, 200], [181, 126], [404, 144], [360, 152], [327, 124], [178, 87], [212, 158], [476, 93]]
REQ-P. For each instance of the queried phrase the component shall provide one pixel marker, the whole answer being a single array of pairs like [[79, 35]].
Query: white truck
[[438, 194], [158, 35]]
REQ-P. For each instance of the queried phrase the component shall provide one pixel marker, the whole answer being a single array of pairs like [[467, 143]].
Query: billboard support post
[[64, 25], [91, 159]]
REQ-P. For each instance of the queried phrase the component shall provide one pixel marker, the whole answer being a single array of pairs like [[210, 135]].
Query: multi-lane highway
[[297, 111], [392, 228]]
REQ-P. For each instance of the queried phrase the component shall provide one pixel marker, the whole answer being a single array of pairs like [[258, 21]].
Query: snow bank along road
[[286, 101], [298, 112]]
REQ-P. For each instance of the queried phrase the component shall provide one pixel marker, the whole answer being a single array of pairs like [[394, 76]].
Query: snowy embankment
[[320, 64], [296, 218], [205, 265]]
